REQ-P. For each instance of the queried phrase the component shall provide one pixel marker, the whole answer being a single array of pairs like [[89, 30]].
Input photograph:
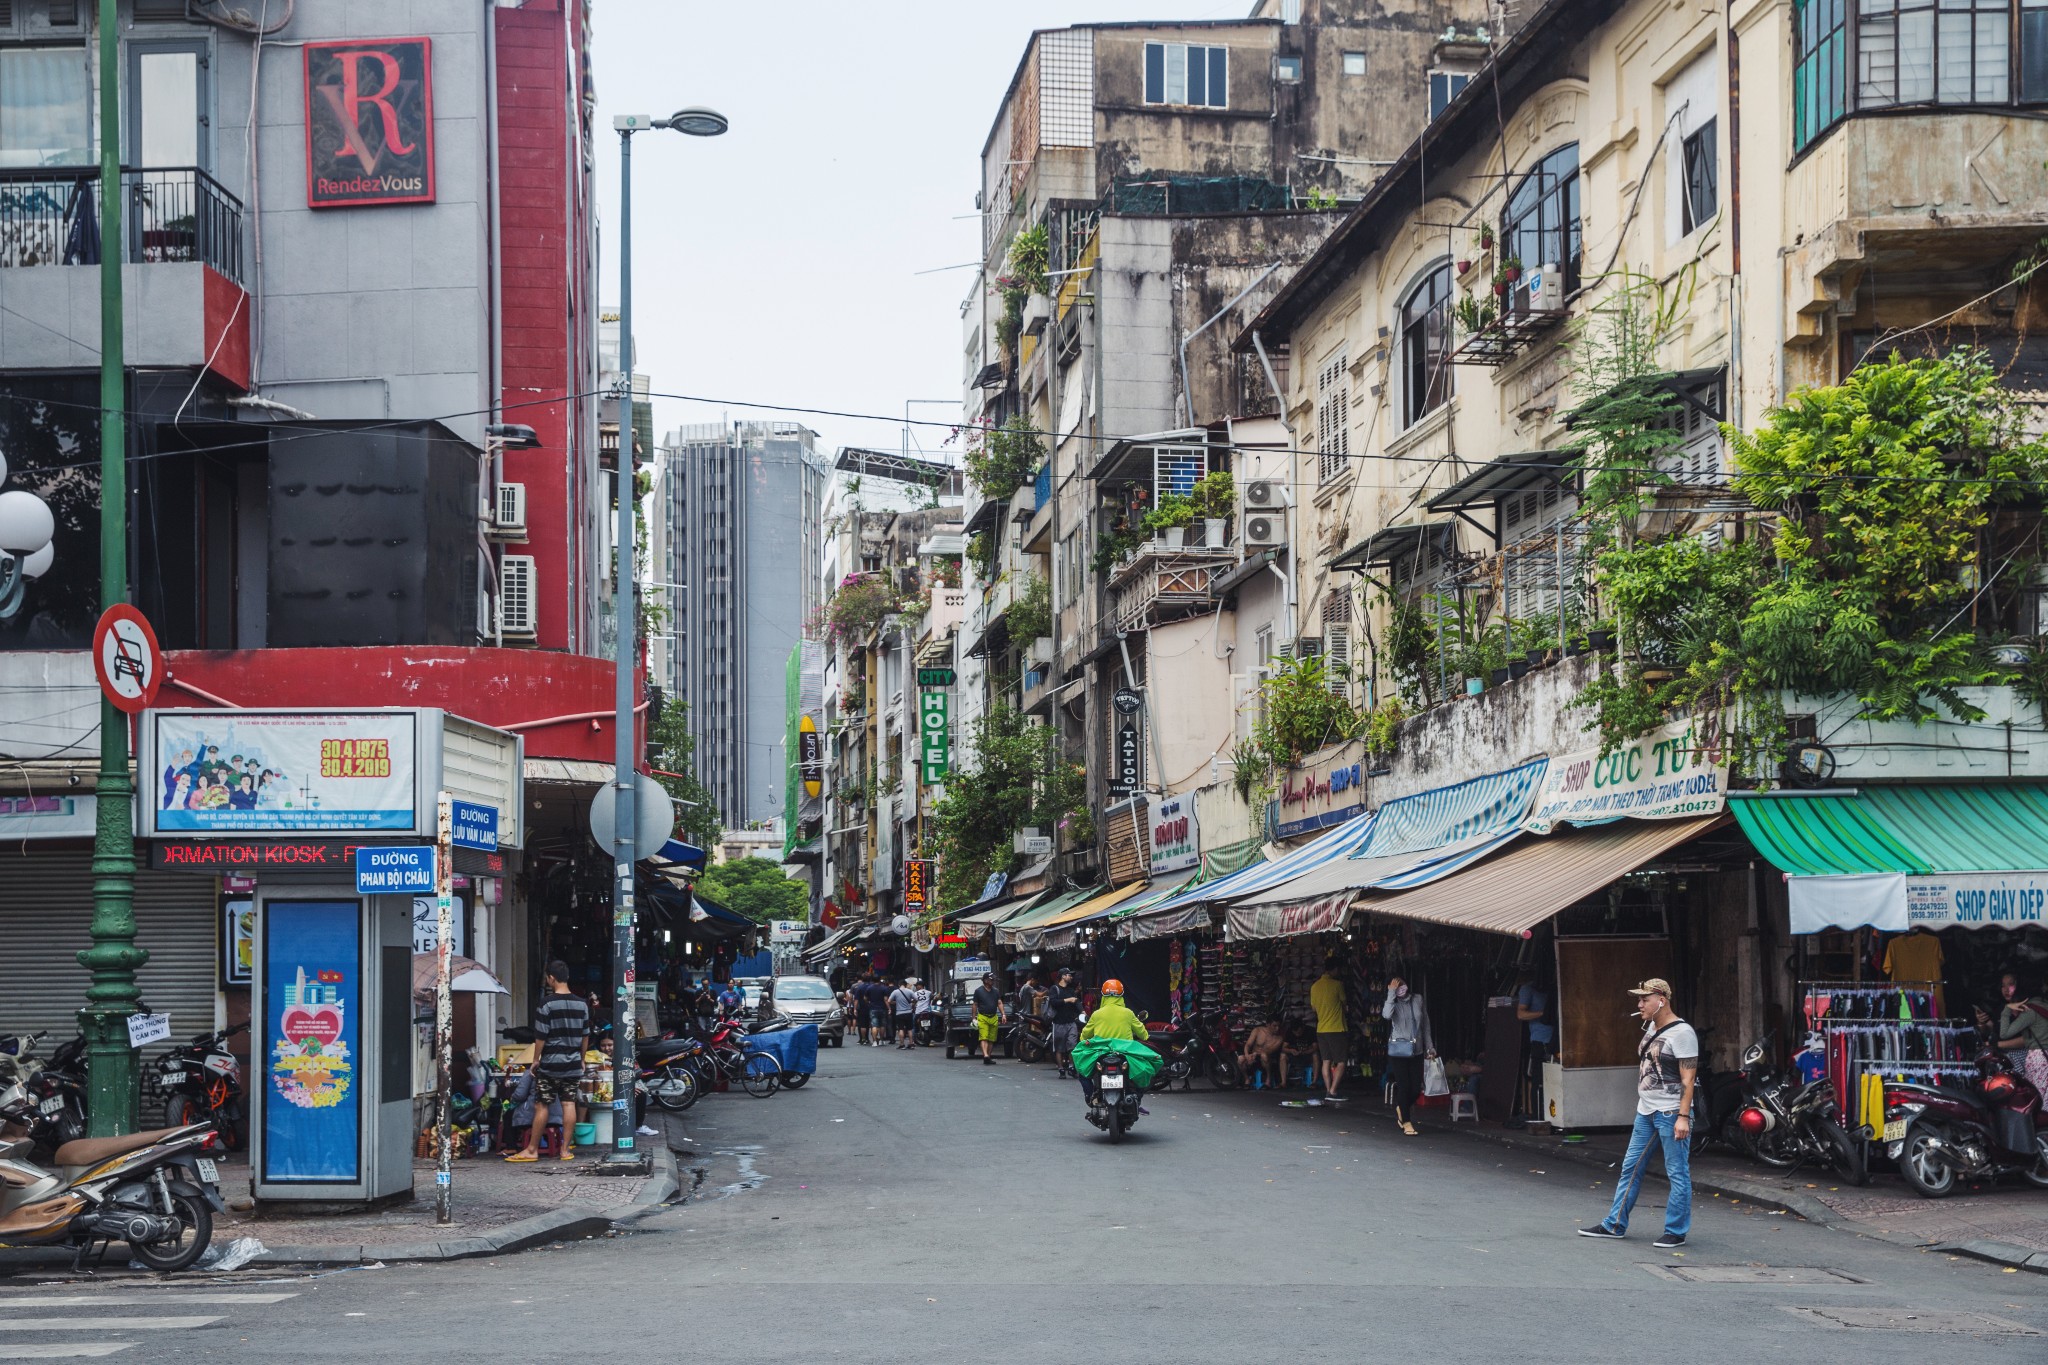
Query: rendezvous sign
[[383, 869]]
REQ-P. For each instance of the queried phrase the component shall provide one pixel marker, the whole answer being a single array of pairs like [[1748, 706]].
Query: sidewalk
[[2006, 1224], [498, 1207]]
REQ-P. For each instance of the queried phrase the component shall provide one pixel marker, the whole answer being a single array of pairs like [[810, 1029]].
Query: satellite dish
[[900, 926], [654, 816]]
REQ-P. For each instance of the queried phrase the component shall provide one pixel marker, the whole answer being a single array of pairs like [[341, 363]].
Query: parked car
[[807, 1000]]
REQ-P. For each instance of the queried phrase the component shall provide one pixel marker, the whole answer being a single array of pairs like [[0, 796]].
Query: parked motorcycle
[[666, 1070], [202, 1083], [55, 1088], [1720, 1097], [1942, 1134], [930, 1027], [1221, 1042], [1114, 1107], [1787, 1125], [151, 1190]]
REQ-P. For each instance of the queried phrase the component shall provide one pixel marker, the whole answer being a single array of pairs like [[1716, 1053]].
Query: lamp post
[[625, 598], [113, 957]]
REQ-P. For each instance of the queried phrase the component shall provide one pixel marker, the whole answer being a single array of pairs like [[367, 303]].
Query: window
[[1908, 53], [1333, 418], [1070, 569], [1425, 345], [45, 107], [166, 113], [1542, 224], [1444, 87], [1354, 63], [1820, 54], [1187, 73], [1702, 196], [1290, 11], [1287, 70]]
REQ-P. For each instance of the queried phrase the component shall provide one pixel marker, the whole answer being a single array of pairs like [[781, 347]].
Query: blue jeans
[[1677, 1168]]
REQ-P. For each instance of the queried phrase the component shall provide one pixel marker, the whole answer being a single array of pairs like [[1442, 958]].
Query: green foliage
[[1215, 494], [1383, 724], [1016, 778], [1318, 200], [1029, 263], [1175, 509], [1119, 541], [1251, 771], [675, 751], [1300, 714], [981, 553], [1410, 651], [756, 888], [1001, 459], [858, 607], [1031, 609]]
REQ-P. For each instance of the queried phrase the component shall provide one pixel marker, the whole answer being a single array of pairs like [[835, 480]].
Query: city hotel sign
[[369, 122]]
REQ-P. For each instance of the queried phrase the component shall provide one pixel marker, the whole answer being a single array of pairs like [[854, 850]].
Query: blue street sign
[[474, 826], [383, 868]]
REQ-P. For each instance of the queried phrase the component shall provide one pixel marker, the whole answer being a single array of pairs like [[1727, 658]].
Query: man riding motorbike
[[1111, 1019]]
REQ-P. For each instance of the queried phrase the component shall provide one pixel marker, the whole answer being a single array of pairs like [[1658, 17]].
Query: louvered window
[[1333, 418], [1337, 642]]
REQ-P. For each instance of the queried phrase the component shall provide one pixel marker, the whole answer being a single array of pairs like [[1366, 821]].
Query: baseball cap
[[1656, 985]]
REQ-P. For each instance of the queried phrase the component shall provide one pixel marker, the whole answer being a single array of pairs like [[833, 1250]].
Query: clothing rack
[[1871, 1029], [1902, 1000], [1871, 1078]]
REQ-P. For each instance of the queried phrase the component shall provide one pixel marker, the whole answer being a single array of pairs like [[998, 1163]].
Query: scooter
[[56, 1088], [1787, 1125], [665, 1069], [202, 1082], [1114, 1106], [151, 1190], [1942, 1134]]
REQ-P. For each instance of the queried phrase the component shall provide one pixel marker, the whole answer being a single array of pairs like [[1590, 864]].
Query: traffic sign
[[127, 658], [473, 825], [382, 868]]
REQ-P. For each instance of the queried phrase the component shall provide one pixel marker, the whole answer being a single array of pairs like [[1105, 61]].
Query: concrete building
[[736, 523]]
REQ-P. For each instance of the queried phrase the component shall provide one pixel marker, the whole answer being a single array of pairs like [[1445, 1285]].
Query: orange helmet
[[1112, 987]]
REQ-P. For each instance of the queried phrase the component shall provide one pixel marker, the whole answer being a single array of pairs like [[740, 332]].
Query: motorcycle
[[1182, 1050], [56, 1088], [151, 1190], [1220, 1044], [1941, 1134], [666, 1071], [1785, 1124], [1114, 1105], [930, 1027], [1719, 1097], [202, 1083]]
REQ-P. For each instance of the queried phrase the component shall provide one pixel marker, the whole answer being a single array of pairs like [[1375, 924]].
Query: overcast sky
[[778, 264]]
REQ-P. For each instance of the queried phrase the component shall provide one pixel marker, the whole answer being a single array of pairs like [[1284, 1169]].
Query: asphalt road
[[906, 1207]]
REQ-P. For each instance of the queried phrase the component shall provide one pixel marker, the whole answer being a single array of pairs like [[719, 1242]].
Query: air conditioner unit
[[1264, 495], [518, 598], [508, 512], [1262, 530]]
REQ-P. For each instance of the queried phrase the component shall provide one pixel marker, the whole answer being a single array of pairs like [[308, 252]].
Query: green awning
[[1042, 911], [1981, 828]]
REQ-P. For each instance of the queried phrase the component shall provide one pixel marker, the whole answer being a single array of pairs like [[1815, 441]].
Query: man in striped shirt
[[561, 1025]]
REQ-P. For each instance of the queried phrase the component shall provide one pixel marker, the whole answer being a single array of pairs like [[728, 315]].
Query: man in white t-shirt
[[1667, 1063]]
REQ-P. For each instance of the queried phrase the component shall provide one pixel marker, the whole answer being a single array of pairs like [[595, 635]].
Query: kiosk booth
[[293, 801]]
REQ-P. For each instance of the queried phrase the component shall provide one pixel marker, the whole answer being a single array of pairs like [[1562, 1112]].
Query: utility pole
[[444, 1005], [625, 606], [111, 1091]]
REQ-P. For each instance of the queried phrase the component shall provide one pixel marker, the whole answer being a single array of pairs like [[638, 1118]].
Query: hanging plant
[[1486, 236]]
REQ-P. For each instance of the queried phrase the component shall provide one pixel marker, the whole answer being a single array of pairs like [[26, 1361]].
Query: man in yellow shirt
[[1333, 1039]]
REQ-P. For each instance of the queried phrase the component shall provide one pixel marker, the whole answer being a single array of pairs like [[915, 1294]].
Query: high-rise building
[[736, 521]]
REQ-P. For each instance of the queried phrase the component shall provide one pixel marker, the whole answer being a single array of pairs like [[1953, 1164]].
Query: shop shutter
[[1129, 848], [45, 922]]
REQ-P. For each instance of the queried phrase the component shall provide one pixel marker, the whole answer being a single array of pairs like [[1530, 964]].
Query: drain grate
[[1916, 1320], [1751, 1274]]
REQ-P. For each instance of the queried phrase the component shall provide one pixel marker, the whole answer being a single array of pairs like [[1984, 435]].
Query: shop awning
[[1040, 914], [1002, 908], [1287, 921], [1521, 887], [1337, 843], [1061, 931], [1893, 857], [831, 943]]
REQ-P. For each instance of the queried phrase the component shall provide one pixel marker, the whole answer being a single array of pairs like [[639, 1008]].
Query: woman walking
[[1408, 1042]]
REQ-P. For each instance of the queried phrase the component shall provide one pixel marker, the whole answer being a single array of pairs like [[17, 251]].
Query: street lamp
[[696, 123], [26, 552]]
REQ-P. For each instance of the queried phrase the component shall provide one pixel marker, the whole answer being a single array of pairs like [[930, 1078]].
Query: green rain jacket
[[1113, 1028]]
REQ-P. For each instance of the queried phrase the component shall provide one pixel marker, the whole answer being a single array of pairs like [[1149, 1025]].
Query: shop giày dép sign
[[369, 122]]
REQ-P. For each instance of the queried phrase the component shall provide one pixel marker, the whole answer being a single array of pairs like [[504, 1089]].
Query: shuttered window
[[1333, 419]]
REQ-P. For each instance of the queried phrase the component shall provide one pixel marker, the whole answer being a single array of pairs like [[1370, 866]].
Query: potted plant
[[1467, 312], [1511, 269], [1600, 639], [1215, 497], [1169, 521], [1500, 675], [1464, 267], [1486, 236]]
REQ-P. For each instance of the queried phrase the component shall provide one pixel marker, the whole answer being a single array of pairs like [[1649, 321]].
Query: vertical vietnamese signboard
[[313, 999], [917, 880], [935, 734]]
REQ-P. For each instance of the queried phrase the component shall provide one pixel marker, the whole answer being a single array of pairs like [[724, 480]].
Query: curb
[[2000, 1254], [570, 1222]]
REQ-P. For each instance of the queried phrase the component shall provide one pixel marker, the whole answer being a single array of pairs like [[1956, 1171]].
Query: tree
[[756, 888], [672, 749]]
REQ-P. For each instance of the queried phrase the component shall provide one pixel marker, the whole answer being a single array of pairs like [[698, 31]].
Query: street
[[903, 1206]]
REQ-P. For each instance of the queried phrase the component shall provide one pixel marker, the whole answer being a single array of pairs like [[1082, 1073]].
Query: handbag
[[1434, 1081]]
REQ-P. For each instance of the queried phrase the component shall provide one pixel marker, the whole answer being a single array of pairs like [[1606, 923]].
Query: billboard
[[312, 1004], [241, 772], [369, 122]]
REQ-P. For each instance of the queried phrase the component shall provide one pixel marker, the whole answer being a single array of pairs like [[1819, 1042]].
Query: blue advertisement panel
[[313, 1002], [228, 772]]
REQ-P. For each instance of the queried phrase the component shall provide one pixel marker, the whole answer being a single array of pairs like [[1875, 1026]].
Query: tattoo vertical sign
[[370, 122]]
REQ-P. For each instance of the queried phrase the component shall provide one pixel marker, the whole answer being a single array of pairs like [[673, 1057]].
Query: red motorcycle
[[1942, 1134]]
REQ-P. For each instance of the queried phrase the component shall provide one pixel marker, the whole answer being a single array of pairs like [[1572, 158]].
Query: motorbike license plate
[[208, 1172], [1894, 1130], [1112, 1082], [173, 1078], [53, 1105]]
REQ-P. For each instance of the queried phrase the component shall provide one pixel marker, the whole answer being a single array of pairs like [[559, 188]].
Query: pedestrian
[[561, 1025], [1333, 1036], [875, 1004], [1065, 1006], [1667, 1063], [1409, 1042], [903, 1005], [2022, 1028], [1532, 1007], [926, 1004], [988, 1016]]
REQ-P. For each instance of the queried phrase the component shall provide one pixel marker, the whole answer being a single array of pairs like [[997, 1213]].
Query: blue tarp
[[795, 1048]]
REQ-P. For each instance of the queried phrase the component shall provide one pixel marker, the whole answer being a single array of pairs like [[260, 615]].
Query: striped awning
[[1338, 843], [1039, 913], [1061, 930]]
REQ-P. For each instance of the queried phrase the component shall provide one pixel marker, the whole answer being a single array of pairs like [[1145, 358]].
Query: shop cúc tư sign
[[1175, 836], [1665, 775]]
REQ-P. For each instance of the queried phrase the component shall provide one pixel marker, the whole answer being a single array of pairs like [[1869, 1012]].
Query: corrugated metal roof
[[1532, 881], [1981, 828]]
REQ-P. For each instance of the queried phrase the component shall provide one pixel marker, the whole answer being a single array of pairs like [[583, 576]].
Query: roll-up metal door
[[45, 922]]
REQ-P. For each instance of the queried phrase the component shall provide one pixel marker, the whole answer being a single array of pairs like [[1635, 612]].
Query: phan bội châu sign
[[226, 772], [369, 122], [1175, 838]]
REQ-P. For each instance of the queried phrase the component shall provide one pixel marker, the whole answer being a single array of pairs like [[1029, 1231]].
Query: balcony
[[1156, 583], [173, 214]]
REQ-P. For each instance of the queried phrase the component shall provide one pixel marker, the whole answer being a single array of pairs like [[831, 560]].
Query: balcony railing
[[1155, 584], [177, 213]]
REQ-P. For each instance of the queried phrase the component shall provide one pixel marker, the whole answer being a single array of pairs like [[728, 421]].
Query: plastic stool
[[1464, 1105]]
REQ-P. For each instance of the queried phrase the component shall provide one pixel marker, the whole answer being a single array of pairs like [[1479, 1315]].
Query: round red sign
[[127, 658]]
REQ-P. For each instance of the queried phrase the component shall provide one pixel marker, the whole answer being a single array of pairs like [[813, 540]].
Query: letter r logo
[[348, 100]]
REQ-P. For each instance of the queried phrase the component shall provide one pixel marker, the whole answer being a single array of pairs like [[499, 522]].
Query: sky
[[780, 263]]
